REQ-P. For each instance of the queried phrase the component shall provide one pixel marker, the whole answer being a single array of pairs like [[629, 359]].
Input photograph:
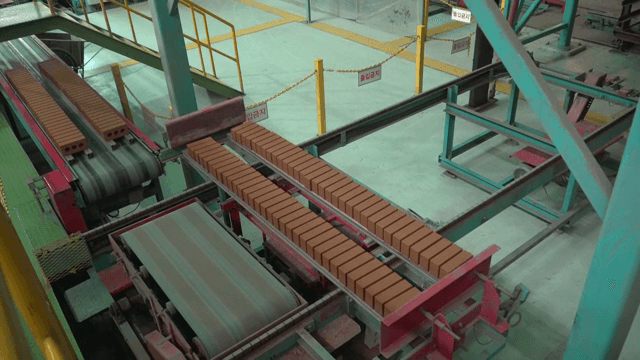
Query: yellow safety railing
[[195, 9], [19, 279]]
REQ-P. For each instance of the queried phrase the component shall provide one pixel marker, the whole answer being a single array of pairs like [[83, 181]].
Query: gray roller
[[217, 286]]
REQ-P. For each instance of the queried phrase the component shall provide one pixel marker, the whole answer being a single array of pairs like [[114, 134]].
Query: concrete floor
[[400, 161]]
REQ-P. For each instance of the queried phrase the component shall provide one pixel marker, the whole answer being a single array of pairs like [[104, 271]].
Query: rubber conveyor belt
[[222, 292], [109, 171]]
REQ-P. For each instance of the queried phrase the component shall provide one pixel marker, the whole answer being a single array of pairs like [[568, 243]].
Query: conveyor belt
[[222, 292], [410, 237], [104, 118], [367, 277], [109, 171], [66, 136]]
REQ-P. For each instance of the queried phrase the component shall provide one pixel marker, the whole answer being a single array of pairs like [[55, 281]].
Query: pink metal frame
[[64, 202], [403, 326], [51, 150]]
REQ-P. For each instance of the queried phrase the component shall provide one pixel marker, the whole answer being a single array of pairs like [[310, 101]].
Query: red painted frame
[[400, 328], [37, 131], [64, 202]]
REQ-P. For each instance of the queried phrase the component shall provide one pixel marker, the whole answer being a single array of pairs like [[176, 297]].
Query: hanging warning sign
[[461, 15], [461, 45], [149, 118], [257, 113], [369, 75]]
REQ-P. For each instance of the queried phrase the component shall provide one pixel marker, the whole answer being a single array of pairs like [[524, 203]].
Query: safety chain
[[451, 40], [3, 198], [282, 92], [413, 39], [142, 105]]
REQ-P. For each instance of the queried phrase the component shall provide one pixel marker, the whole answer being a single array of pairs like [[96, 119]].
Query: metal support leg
[[569, 18], [568, 100], [222, 196], [611, 292], [570, 195], [308, 11], [449, 125], [526, 74], [513, 104], [173, 55]]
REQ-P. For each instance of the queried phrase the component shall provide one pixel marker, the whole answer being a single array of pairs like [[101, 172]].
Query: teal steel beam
[[526, 74], [173, 54], [519, 188], [527, 15], [449, 124], [542, 33], [501, 128], [472, 142], [568, 18], [513, 104], [611, 292], [518, 11], [582, 88], [172, 6], [570, 194]]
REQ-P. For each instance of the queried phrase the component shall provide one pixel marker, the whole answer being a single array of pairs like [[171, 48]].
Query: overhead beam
[[611, 294], [521, 187], [526, 74]]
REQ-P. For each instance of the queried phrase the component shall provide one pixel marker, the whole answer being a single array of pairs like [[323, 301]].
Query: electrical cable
[[132, 211]]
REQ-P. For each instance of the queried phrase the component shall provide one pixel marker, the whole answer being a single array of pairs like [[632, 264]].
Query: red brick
[[454, 263], [348, 267], [388, 221], [409, 241], [352, 203], [425, 256], [289, 156], [343, 258], [395, 227], [291, 217], [275, 154], [378, 216], [277, 215], [313, 243], [302, 229], [306, 178], [371, 279], [399, 301], [369, 207], [331, 185], [400, 235], [326, 176], [299, 161], [437, 261], [304, 165], [394, 291], [335, 194], [257, 202], [342, 200], [300, 222], [271, 189], [313, 233], [380, 286], [336, 251], [362, 271], [279, 206]]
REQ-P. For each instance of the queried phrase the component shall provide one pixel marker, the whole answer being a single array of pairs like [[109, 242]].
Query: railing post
[[422, 35], [449, 124], [133, 31], [308, 11], [322, 120], [51, 8], [122, 93], [425, 15], [84, 10], [106, 18]]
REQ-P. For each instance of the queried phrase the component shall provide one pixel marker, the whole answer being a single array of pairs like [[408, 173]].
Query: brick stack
[[411, 237], [104, 118], [374, 282], [64, 134]]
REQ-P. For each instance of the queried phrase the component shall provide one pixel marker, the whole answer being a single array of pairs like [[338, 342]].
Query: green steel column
[[173, 55], [570, 195], [569, 18], [612, 290], [527, 75], [449, 124], [513, 104]]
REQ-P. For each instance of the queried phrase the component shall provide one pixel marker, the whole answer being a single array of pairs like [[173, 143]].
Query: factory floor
[[278, 47]]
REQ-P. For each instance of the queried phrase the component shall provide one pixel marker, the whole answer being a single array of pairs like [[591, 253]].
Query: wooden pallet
[[64, 134], [104, 118]]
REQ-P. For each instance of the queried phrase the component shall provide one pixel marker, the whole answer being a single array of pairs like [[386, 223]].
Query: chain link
[[142, 105], [282, 92], [413, 40]]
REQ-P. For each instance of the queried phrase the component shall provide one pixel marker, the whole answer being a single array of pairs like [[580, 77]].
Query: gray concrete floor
[[399, 161]]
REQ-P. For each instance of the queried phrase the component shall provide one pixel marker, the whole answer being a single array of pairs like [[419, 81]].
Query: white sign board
[[257, 113], [461, 45], [461, 15], [149, 118], [369, 75]]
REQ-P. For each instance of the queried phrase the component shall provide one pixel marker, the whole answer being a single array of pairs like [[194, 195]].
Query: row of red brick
[[371, 280], [104, 118], [409, 236], [64, 134]]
